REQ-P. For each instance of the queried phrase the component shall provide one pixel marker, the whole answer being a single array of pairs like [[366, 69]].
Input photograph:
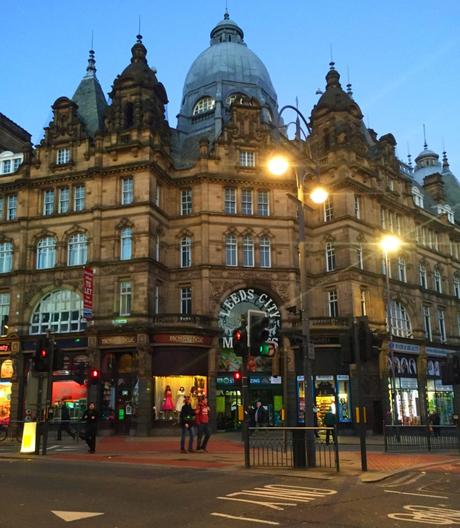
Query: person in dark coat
[[64, 424], [91, 417], [330, 420], [260, 415], [186, 422]]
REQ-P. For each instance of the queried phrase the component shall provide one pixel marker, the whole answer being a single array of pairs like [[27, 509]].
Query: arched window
[[126, 243], [231, 251], [204, 106], [265, 252], [77, 250], [129, 115], [400, 322], [186, 252], [248, 251], [60, 311], [6, 257], [46, 253]]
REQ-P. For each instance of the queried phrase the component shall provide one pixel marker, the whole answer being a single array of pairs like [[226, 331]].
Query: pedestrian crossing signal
[[94, 376]]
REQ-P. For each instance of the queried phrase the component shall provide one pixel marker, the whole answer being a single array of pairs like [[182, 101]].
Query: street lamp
[[278, 165], [390, 244]]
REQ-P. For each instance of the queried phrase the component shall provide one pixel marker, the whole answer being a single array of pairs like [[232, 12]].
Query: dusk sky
[[403, 55]]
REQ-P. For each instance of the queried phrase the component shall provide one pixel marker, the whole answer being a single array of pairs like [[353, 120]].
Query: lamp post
[[390, 244], [279, 165]]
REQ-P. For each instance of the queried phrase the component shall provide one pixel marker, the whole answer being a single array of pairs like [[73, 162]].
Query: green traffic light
[[264, 349]]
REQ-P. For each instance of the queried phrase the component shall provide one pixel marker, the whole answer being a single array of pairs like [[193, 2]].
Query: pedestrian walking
[[91, 418], [435, 421], [260, 415], [64, 424], [330, 419], [186, 421], [202, 421]]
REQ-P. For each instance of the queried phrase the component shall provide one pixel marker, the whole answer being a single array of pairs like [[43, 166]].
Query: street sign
[[88, 292]]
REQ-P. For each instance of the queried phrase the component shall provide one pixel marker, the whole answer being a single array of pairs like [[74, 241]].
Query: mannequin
[[180, 399], [168, 405], [193, 397]]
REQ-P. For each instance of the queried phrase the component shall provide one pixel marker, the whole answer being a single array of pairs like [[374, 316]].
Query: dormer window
[[10, 162], [63, 156], [237, 98], [417, 196], [447, 210], [204, 106], [247, 159]]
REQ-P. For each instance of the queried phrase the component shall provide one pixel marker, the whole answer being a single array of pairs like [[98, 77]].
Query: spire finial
[[226, 15], [409, 156], [349, 90], [91, 68], [139, 36], [445, 161], [425, 144]]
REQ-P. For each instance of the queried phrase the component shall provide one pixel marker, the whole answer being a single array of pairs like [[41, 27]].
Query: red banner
[[88, 291]]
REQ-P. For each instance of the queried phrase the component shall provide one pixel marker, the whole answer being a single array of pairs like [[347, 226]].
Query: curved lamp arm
[[298, 112]]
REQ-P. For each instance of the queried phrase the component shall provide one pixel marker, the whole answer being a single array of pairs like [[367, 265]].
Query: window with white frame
[[186, 301], [4, 311], [328, 209], [64, 200], [127, 190], [6, 257], [457, 286], [126, 293], [157, 247], [360, 258], [79, 198], [46, 253], [6, 167], [357, 206], [231, 251], [2, 208], [126, 243], [402, 269], [186, 202], [48, 202], [77, 250], [400, 322], [203, 106], [157, 195], [156, 301], [59, 311], [246, 202], [437, 281], [186, 252], [422, 280], [263, 208], [248, 251], [427, 323], [417, 196], [384, 266], [363, 301], [247, 158], [63, 156], [330, 256], [442, 325], [333, 303], [11, 207], [230, 200], [265, 252]]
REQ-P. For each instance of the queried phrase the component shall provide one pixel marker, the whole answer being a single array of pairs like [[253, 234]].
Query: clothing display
[[168, 404], [180, 399]]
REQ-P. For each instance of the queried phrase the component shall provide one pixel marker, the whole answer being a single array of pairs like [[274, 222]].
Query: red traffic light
[[237, 376], [94, 374], [238, 335], [43, 353]]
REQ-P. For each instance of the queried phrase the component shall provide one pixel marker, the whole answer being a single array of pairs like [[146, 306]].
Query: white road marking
[[69, 516], [246, 519], [416, 494], [272, 505], [428, 515], [405, 480]]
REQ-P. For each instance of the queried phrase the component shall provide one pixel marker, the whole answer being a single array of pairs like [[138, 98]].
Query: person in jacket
[[64, 424], [259, 415], [330, 420], [202, 422], [186, 421], [91, 418]]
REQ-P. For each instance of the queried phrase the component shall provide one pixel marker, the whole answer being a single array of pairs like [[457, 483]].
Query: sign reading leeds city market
[[232, 315]]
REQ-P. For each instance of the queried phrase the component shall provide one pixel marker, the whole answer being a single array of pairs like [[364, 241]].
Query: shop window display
[[440, 398], [407, 401], [170, 392], [325, 397], [5, 402], [343, 399]]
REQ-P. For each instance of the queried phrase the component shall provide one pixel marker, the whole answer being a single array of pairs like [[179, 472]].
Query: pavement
[[225, 453]]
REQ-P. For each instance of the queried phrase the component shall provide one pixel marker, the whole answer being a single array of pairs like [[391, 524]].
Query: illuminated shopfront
[[440, 398], [406, 387], [6, 374], [170, 391]]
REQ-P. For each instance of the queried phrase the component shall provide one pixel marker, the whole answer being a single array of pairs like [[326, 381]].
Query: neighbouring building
[[179, 231]]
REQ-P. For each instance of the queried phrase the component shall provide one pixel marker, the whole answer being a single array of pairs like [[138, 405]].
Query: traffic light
[[237, 378], [79, 373], [240, 341], [369, 342], [258, 333], [94, 376], [450, 371], [42, 355], [58, 358]]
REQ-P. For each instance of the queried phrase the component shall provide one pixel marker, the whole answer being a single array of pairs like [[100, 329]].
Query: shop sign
[[88, 292], [4, 348], [404, 347], [439, 351], [324, 378], [6, 372], [433, 368], [225, 380], [183, 339], [404, 366], [118, 340], [119, 321], [408, 383], [442, 388], [232, 315], [343, 377], [264, 380]]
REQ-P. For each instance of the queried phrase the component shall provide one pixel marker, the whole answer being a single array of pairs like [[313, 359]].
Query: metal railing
[[282, 447], [421, 437]]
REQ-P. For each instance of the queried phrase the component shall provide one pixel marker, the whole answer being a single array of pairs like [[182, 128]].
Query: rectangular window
[[157, 195], [231, 251], [4, 312], [427, 323], [247, 159], [127, 191], [384, 266], [125, 297], [6, 167], [402, 273], [230, 200], [186, 202], [48, 203], [363, 297], [186, 252], [422, 276], [265, 253], [186, 301], [16, 163], [79, 198], [248, 252], [64, 200], [357, 206], [157, 247], [330, 256], [437, 281], [11, 204], [262, 203], [333, 303], [457, 287], [442, 326], [383, 215], [63, 156], [359, 255], [156, 306], [328, 210], [246, 202]]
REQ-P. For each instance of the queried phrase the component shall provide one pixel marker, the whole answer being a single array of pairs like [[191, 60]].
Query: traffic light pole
[[49, 393], [245, 401], [361, 409]]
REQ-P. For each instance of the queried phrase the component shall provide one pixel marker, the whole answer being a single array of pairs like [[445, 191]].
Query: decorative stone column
[[422, 361], [144, 411]]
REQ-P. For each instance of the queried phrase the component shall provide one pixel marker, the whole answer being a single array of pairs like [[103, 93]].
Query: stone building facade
[[182, 230]]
